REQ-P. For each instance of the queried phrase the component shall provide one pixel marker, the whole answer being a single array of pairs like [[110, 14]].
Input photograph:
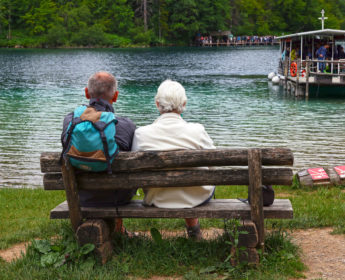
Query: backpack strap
[[100, 126], [66, 145]]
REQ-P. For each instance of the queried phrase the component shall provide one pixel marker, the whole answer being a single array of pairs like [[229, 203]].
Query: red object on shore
[[340, 170], [318, 173]]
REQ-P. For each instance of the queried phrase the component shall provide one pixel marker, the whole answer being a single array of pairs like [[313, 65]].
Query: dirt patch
[[210, 233], [14, 252], [322, 252], [284, 195]]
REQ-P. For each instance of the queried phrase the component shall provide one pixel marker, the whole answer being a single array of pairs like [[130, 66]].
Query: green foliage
[[231, 229], [62, 251], [177, 22], [141, 37], [89, 36], [57, 36], [117, 41], [42, 17]]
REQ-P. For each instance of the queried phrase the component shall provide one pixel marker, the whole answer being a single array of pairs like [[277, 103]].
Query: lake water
[[227, 91]]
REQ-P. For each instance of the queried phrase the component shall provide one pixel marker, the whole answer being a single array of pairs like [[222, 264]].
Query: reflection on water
[[227, 91]]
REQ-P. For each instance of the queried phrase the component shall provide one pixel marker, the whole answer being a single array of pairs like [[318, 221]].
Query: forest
[[121, 23]]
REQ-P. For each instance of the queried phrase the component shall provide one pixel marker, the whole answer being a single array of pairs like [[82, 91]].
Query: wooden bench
[[173, 169]]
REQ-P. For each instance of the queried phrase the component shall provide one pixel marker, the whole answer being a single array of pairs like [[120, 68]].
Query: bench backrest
[[175, 169]]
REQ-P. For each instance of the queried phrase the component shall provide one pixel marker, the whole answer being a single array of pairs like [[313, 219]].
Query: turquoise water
[[227, 89]]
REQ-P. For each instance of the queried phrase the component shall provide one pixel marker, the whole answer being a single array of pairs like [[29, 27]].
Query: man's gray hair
[[102, 85], [171, 96]]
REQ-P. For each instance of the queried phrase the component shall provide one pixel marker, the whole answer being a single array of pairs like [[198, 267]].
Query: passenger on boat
[[321, 54], [341, 53], [295, 54]]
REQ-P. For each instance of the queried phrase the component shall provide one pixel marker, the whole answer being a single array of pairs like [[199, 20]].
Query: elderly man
[[102, 92], [171, 132]]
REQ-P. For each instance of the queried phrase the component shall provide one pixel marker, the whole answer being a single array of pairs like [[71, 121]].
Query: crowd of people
[[322, 52], [231, 39]]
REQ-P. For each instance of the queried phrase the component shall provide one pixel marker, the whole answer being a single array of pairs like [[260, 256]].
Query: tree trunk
[[9, 25], [145, 15]]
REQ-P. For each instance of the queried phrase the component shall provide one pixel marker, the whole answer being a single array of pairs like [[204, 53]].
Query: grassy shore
[[24, 215]]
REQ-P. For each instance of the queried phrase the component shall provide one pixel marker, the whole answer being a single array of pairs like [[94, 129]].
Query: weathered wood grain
[[169, 178], [130, 161], [305, 179], [72, 194], [218, 208], [248, 235], [255, 192]]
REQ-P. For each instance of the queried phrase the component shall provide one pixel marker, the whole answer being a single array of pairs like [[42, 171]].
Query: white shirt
[[171, 132]]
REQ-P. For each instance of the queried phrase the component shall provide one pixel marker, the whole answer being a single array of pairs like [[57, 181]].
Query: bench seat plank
[[218, 208]]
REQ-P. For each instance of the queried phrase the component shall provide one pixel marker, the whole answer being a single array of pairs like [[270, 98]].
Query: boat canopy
[[325, 32]]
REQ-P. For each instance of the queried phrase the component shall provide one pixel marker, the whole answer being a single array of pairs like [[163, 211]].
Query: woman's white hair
[[171, 96]]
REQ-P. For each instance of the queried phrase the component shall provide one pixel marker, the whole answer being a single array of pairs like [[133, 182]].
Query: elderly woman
[[170, 132]]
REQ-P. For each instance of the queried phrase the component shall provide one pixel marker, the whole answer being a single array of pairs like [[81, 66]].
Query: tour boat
[[302, 71]]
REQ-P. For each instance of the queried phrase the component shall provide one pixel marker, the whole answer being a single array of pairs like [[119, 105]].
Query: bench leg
[[247, 243], [96, 232]]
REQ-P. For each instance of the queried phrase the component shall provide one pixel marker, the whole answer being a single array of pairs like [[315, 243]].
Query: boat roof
[[315, 32]]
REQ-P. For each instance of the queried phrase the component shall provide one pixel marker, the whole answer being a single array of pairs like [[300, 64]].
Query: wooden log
[[104, 252], [217, 208], [72, 195], [96, 232], [166, 178], [306, 180], [93, 231], [250, 256], [245, 256], [249, 239], [248, 235], [255, 193], [334, 176], [130, 161]]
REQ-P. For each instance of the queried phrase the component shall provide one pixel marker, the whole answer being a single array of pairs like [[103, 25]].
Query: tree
[[40, 19]]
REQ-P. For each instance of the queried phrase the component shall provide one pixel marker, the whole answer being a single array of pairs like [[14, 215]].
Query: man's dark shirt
[[124, 135]]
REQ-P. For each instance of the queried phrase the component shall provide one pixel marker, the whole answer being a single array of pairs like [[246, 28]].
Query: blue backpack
[[90, 139]]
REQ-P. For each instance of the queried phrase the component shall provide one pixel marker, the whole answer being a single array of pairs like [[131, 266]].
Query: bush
[[116, 41], [141, 37], [26, 42], [57, 36], [89, 36]]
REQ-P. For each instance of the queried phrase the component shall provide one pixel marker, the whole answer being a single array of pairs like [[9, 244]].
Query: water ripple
[[226, 88]]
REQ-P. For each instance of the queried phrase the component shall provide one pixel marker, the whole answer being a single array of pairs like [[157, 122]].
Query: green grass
[[143, 257], [24, 215]]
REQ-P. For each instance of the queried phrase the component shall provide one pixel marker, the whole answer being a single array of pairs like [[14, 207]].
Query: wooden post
[[72, 195], [297, 77], [307, 78], [286, 65], [255, 193]]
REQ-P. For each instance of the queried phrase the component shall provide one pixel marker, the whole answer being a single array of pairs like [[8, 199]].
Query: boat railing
[[336, 67]]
